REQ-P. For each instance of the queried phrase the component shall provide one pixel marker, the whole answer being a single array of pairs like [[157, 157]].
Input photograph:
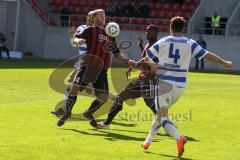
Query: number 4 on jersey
[[176, 55]]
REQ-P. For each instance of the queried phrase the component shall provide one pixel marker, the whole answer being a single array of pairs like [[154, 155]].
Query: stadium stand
[[160, 12]]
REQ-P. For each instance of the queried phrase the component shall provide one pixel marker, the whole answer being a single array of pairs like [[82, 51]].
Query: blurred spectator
[[203, 44], [65, 13], [216, 24], [146, 10], [129, 9], [175, 1], [3, 45]]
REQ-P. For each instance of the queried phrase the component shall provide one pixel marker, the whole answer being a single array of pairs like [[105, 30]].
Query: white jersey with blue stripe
[[173, 54], [82, 48]]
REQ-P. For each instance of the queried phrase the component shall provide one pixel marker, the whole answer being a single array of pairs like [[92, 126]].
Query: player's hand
[[71, 31], [132, 63], [128, 72], [81, 41], [139, 40], [89, 88], [153, 66], [228, 64]]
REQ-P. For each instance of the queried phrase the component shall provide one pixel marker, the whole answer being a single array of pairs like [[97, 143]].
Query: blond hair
[[90, 21], [94, 12]]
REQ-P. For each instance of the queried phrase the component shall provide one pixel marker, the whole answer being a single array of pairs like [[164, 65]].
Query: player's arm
[[71, 33], [80, 37], [124, 59], [151, 58], [140, 42], [78, 41], [120, 56], [199, 52], [216, 59]]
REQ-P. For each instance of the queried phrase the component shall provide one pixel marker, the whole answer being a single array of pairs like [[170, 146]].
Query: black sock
[[70, 103], [93, 107], [117, 107]]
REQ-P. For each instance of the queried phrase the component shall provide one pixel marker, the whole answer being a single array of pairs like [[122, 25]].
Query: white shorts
[[166, 94]]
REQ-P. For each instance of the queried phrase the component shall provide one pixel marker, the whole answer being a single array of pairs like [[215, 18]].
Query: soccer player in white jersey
[[82, 47], [174, 54]]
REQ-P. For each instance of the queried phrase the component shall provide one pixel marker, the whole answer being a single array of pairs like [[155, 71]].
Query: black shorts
[[91, 75]]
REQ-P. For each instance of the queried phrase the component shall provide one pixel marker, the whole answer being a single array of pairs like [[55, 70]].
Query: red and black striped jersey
[[145, 68], [99, 47]]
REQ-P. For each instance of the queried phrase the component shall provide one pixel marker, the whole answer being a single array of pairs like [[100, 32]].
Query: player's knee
[[102, 100], [74, 89], [165, 121]]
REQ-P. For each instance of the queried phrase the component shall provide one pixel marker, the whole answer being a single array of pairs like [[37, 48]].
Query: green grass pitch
[[208, 114]]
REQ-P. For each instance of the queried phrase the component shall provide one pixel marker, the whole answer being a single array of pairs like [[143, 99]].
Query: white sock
[[170, 128], [67, 92], [154, 130]]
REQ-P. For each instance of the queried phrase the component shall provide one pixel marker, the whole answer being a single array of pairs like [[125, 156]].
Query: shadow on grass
[[108, 135], [169, 156]]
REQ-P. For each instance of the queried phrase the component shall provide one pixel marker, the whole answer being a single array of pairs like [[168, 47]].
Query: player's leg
[[132, 91], [202, 63], [197, 64], [162, 104], [101, 90], [77, 85], [0, 51], [60, 109], [7, 52]]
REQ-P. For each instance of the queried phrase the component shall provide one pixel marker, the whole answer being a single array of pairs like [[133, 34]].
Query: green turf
[[208, 114]]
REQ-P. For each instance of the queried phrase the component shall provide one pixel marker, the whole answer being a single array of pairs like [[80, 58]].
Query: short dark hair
[[153, 27], [177, 24]]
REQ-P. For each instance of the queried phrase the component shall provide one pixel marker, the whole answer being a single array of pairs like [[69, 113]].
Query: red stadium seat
[[124, 27], [156, 21], [82, 3], [51, 2], [176, 7], [188, 7], [83, 18], [163, 14], [141, 28], [191, 7], [124, 20], [55, 9], [184, 7], [159, 6], [171, 14], [133, 21], [167, 6], [154, 13], [152, 6], [133, 28], [76, 23], [116, 19], [187, 15], [197, 1], [74, 2], [141, 21], [165, 22], [75, 18], [188, 1], [149, 21]]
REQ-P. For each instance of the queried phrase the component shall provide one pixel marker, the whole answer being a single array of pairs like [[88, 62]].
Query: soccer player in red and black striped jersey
[[137, 88], [94, 67]]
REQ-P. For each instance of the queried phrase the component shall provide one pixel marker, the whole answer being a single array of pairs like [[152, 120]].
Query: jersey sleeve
[[79, 30], [84, 34], [153, 52], [197, 51]]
